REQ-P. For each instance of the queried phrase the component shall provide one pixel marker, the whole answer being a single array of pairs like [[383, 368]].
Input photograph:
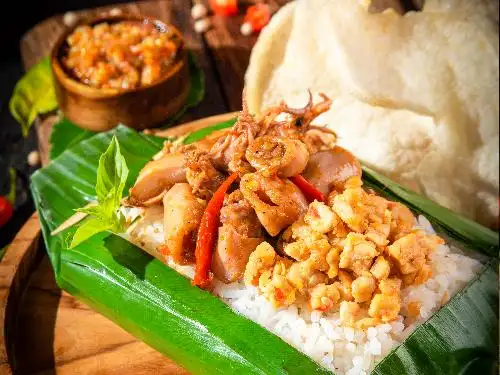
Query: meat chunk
[[358, 253], [261, 260], [156, 178], [402, 221], [381, 268], [384, 307], [362, 288], [200, 173], [239, 235], [302, 276], [277, 202], [390, 287], [239, 214], [230, 148], [232, 253], [325, 297], [182, 216], [410, 251], [350, 312], [320, 217], [330, 169]]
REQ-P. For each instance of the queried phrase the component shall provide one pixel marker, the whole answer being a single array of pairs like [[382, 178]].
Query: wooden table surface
[[56, 331]]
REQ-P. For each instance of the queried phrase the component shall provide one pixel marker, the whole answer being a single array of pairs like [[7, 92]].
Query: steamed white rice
[[319, 335]]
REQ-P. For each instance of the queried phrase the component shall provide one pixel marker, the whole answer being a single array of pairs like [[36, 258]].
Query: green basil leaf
[[88, 228], [33, 95], [111, 176]]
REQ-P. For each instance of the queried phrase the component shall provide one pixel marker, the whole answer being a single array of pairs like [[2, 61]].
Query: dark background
[[17, 18]]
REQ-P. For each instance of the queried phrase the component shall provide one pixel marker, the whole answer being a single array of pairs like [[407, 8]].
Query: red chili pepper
[[308, 189], [207, 234], [224, 7], [258, 16], [6, 211]]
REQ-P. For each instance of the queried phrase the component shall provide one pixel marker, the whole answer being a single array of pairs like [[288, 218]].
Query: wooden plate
[[48, 330]]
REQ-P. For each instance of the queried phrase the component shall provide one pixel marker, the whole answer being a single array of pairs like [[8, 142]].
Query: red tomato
[[258, 16], [5, 211], [224, 7]]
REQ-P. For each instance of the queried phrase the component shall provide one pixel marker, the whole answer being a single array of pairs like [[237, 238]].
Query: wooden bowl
[[101, 109]]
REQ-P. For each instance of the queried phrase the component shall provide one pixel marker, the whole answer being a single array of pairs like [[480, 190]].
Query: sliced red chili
[[308, 189], [224, 7], [207, 234], [258, 16], [6, 211]]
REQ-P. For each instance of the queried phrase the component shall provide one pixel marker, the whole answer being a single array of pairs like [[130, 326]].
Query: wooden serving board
[[47, 329]]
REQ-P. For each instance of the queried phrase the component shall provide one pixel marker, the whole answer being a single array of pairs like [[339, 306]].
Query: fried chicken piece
[[320, 217], [363, 287], [324, 297], [350, 312], [410, 252], [381, 268], [358, 253], [402, 221], [261, 260], [384, 307]]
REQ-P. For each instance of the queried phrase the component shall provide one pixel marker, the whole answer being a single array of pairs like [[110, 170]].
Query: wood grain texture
[[47, 329]]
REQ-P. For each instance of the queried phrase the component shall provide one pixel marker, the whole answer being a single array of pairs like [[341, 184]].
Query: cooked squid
[[230, 148], [156, 178], [239, 234], [277, 156], [329, 170], [182, 216], [277, 202]]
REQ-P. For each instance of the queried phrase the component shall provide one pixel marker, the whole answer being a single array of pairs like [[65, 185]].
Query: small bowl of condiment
[[126, 69]]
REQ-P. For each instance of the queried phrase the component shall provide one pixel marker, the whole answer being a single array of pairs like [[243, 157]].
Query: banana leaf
[[197, 330], [33, 95], [65, 134]]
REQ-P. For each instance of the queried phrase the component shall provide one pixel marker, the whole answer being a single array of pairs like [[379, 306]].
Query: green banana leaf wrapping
[[200, 332]]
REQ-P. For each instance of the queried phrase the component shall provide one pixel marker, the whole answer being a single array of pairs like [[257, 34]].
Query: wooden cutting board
[[47, 330]]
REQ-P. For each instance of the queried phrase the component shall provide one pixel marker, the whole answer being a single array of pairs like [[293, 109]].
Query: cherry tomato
[[258, 16], [224, 7], [6, 211]]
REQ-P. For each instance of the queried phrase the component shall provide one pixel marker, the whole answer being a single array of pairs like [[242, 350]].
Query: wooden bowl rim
[[79, 88]]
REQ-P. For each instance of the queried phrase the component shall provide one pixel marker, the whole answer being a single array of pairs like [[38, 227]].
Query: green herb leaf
[[33, 95], [88, 228], [112, 174]]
